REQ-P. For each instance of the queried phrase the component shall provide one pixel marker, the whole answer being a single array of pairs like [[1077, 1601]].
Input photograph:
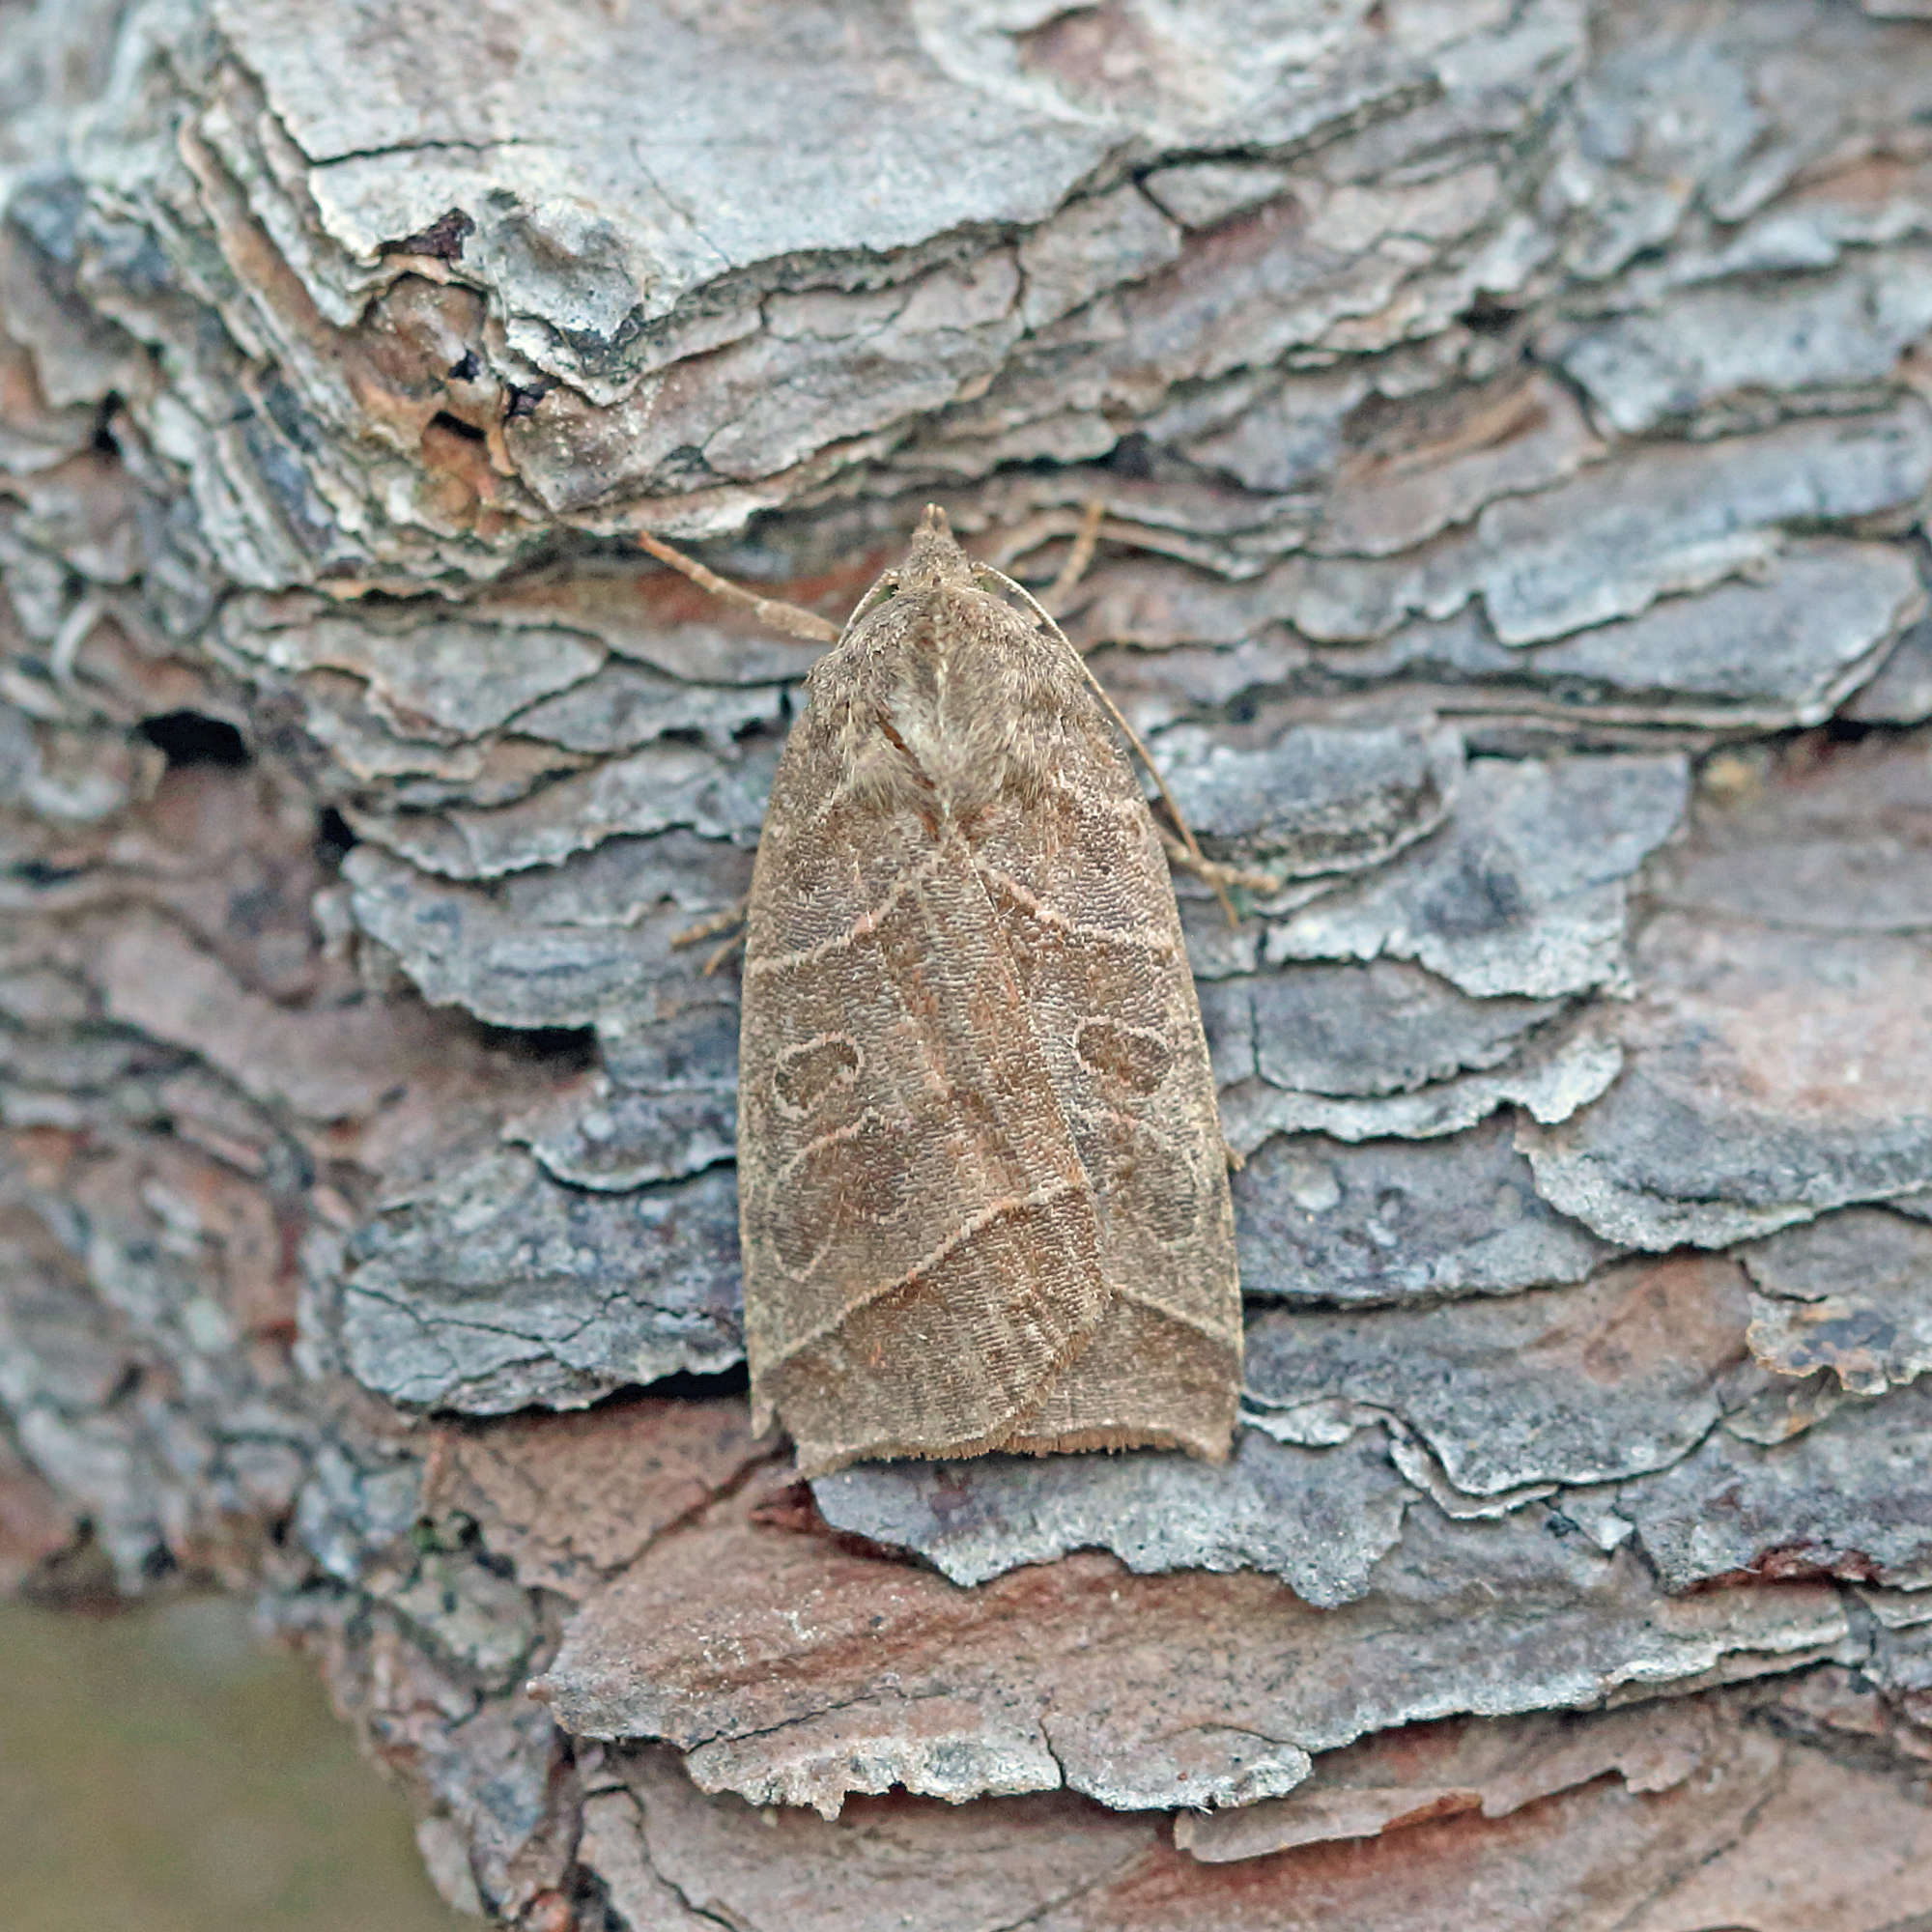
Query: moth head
[[934, 560]]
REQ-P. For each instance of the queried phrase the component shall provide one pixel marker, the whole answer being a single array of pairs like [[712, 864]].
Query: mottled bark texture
[[1511, 417]]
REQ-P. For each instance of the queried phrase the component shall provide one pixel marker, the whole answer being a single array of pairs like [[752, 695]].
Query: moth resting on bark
[[984, 1190]]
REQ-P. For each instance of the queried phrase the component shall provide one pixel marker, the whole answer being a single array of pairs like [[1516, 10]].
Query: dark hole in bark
[[443, 237], [564, 1050], [523, 403], [193, 738], [467, 367], [456, 426], [688, 1385], [333, 837], [1487, 317], [1131, 456], [158, 1563]]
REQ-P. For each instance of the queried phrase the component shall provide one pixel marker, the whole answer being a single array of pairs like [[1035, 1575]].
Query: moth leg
[[1079, 556], [725, 920], [721, 954], [1023, 539], [793, 619], [1212, 873]]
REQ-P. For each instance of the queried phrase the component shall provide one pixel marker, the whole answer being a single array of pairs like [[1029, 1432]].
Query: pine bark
[[1512, 425]]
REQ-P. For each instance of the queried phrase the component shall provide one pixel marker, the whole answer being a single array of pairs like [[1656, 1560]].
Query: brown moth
[[983, 1191]]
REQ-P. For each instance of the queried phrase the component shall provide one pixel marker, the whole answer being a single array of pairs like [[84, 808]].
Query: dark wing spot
[[1135, 1056], [806, 1074]]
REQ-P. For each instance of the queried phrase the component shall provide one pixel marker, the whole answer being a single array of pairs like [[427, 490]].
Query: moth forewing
[[983, 1191]]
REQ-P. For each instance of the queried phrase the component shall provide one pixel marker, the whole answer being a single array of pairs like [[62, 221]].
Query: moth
[[983, 1191]]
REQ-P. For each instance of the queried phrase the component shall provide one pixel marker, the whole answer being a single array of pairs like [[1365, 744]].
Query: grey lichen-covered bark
[[1511, 417]]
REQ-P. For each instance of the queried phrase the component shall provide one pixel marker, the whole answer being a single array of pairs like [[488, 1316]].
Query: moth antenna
[[793, 619], [886, 588], [1086, 540], [1198, 860]]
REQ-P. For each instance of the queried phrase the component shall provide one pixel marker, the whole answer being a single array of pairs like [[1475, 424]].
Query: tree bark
[[1512, 425]]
